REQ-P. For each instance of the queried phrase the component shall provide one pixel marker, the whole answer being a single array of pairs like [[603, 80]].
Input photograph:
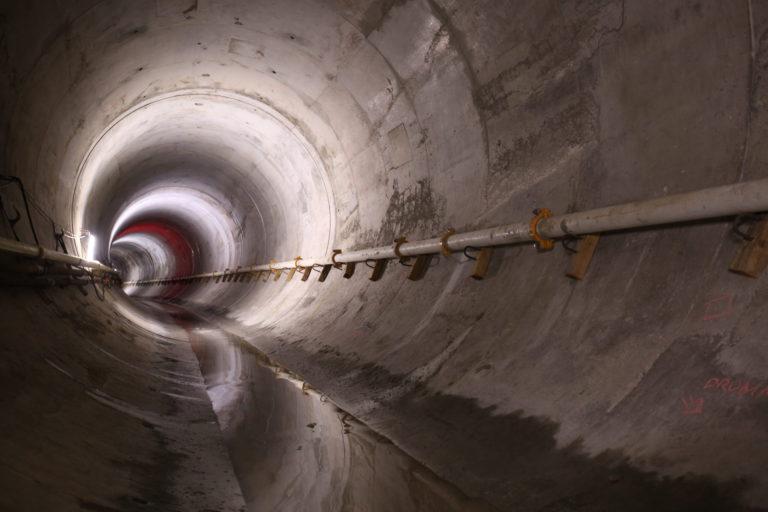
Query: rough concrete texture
[[103, 415], [267, 129]]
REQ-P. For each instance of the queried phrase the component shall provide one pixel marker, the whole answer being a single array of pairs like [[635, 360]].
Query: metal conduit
[[41, 253], [710, 203]]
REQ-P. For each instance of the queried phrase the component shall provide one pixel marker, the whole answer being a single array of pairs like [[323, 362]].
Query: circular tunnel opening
[[201, 181], [150, 248]]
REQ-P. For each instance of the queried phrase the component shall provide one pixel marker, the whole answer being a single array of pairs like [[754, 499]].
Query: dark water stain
[[131, 33], [568, 118], [90, 505], [513, 460], [151, 481], [191, 8], [375, 14], [415, 210], [560, 47]]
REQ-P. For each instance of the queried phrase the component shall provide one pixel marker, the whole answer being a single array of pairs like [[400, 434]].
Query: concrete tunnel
[[176, 138]]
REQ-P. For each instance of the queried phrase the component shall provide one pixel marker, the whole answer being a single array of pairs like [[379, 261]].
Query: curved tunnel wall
[[304, 126]]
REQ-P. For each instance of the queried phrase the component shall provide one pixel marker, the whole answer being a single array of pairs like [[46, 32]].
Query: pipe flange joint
[[398, 242], [542, 244], [444, 242]]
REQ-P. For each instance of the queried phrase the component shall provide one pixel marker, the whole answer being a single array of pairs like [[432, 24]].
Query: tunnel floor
[[234, 432], [290, 446]]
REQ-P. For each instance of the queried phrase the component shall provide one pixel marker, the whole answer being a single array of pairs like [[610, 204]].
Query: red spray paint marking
[[718, 307], [735, 387], [180, 248], [693, 406], [183, 262]]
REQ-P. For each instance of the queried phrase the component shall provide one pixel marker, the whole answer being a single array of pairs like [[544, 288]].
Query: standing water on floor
[[292, 448]]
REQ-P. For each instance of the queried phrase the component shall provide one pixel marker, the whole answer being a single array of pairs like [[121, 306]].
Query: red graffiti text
[[736, 387]]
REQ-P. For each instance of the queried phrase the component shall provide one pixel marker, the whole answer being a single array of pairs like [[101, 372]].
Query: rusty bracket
[[542, 244], [336, 252], [306, 273], [444, 242], [349, 270], [398, 242]]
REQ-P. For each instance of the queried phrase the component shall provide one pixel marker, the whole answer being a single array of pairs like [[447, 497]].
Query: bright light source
[[90, 247]]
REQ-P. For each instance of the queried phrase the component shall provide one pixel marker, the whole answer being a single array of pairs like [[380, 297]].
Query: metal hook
[[739, 221], [568, 243], [473, 248]]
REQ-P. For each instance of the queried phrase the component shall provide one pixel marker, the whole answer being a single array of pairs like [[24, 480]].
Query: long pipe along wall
[[168, 138]]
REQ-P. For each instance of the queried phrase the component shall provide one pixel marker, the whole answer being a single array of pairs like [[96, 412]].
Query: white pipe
[[35, 251], [710, 203]]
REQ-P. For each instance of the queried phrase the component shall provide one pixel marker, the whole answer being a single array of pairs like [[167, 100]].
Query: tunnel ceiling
[[173, 137]]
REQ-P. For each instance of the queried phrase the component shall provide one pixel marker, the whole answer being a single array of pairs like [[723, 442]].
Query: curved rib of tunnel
[[175, 137]]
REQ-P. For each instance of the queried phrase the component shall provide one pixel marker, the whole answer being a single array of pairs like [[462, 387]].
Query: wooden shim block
[[580, 261], [481, 265], [324, 274], [378, 270], [420, 267], [753, 256]]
